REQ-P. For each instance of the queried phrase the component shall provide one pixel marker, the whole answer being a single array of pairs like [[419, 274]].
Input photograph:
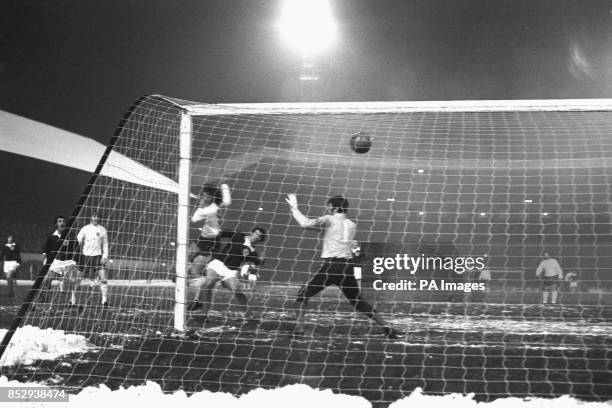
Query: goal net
[[455, 205]]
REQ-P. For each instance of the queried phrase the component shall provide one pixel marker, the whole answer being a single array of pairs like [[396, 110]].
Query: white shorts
[[61, 267], [223, 271], [357, 272], [10, 266]]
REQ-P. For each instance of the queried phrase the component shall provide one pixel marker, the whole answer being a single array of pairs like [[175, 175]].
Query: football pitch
[[508, 346]]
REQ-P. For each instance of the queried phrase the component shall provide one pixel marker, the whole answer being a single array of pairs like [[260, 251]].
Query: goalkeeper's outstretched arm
[[304, 221]]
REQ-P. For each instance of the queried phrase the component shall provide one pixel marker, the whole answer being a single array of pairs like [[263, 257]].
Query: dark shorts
[[548, 281], [90, 263], [205, 247], [333, 271]]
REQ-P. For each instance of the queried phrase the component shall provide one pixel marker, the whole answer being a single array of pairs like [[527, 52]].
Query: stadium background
[[476, 171]]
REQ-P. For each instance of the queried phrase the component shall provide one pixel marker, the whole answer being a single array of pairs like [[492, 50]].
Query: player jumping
[[208, 212], [337, 267]]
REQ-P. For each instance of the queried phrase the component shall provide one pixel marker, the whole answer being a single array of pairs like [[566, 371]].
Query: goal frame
[[191, 110]]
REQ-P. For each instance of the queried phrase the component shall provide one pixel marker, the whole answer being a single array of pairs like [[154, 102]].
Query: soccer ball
[[361, 142]]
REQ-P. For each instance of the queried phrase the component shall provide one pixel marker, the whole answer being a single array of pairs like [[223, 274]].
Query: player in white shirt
[[208, 212], [93, 240], [337, 266], [551, 274]]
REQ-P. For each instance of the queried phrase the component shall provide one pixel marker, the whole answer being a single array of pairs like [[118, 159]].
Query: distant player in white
[[208, 212], [11, 256], [93, 241], [551, 274]]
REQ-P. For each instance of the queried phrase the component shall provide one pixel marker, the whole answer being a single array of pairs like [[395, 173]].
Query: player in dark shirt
[[239, 254], [11, 256], [60, 253], [225, 266], [240, 248]]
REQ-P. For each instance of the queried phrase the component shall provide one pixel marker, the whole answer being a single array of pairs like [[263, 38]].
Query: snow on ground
[[295, 396], [32, 343]]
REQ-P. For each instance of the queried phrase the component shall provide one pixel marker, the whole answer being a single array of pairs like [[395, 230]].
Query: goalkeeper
[[337, 267]]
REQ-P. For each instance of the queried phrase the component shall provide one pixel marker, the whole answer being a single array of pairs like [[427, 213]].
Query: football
[[361, 142]]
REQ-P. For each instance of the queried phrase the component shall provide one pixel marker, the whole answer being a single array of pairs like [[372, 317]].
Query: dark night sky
[[79, 64]]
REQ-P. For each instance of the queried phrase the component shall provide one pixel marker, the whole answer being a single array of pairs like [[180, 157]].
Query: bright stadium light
[[308, 26]]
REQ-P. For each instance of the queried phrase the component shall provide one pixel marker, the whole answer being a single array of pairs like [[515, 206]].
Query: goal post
[[501, 182], [182, 237]]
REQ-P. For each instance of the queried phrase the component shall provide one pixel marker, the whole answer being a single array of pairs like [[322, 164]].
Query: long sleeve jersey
[[210, 214], [549, 267], [338, 232], [11, 252], [63, 249], [93, 240], [237, 251]]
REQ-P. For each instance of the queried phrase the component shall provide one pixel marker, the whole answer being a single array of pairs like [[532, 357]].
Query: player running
[[225, 265], [93, 240], [337, 267], [551, 274], [208, 212], [11, 256]]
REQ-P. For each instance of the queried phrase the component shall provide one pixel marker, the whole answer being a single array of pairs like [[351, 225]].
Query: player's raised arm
[[226, 196], [213, 200], [301, 219]]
